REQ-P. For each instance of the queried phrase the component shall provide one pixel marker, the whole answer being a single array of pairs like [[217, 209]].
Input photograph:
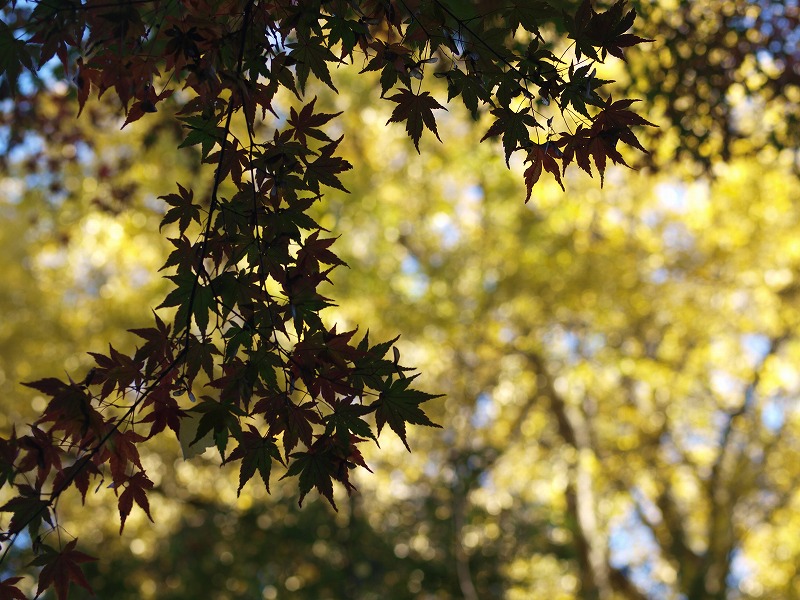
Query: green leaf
[[191, 445], [316, 470], [513, 126], [204, 302], [14, 55], [416, 110], [371, 368], [220, 419], [256, 453], [312, 57], [346, 419], [203, 131], [179, 297], [530, 14], [470, 88], [325, 168], [398, 405], [183, 209], [307, 123], [344, 31]]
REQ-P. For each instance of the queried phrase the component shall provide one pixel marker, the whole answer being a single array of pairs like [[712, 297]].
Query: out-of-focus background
[[621, 365]]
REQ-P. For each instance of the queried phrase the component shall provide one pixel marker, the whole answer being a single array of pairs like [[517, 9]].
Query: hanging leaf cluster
[[238, 351]]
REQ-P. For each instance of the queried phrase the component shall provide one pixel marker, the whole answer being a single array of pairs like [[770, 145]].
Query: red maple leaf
[[615, 116], [9, 589], [135, 491], [29, 509], [542, 158], [116, 371], [122, 446], [41, 452], [165, 412], [77, 473], [605, 30], [61, 568]]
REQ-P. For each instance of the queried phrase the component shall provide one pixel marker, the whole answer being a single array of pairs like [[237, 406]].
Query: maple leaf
[[70, 409], [398, 405], [146, 105], [123, 451], [611, 125], [316, 470], [136, 487], [49, 385], [346, 419], [77, 473], [581, 89], [306, 123], [579, 147], [233, 162], [221, 418], [542, 157], [28, 510], [189, 293], [184, 257], [56, 36], [315, 250], [294, 421], [41, 452], [392, 60], [9, 450], [183, 209], [604, 30], [514, 128], [616, 118], [61, 568], [157, 344], [323, 169], [116, 371], [371, 366], [263, 237], [346, 32], [9, 589], [203, 130], [469, 86], [529, 14], [14, 54], [201, 353], [416, 110], [165, 412], [256, 453], [312, 57]]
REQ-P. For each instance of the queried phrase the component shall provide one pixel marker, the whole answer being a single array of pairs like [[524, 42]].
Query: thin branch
[[217, 177]]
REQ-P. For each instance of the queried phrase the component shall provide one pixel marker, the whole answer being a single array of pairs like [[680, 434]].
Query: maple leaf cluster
[[244, 353]]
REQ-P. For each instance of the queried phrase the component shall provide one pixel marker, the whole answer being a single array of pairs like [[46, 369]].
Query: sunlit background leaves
[[619, 364]]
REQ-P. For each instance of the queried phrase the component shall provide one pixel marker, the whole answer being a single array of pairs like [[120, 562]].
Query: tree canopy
[[724, 77], [239, 353], [617, 364]]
